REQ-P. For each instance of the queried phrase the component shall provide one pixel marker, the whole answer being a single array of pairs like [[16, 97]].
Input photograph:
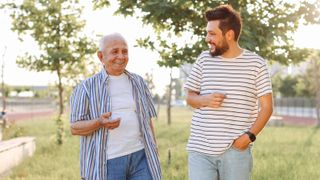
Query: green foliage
[[287, 87], [310, 79], [177, 87], [55, 25], [180, 26], [7, 90], [149, 80], [50, 161], [12, 131], [276, 83]]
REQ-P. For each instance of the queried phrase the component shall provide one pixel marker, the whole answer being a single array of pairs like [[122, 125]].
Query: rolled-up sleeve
[[79, 105]]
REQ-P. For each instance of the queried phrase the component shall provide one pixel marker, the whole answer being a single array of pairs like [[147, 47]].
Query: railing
[[295, 106]]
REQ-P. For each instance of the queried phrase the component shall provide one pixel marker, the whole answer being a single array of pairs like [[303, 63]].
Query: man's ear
[[230, 35], [100, 55]]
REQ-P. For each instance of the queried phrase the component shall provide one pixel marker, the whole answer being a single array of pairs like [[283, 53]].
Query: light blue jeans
[[130, 167], [231, 165]]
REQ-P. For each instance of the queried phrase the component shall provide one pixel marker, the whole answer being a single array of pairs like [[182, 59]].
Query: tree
[[56, 27], [276, 80], [177, 88], [180, 26], [287, 86], [149, 81], [169, 99], [311, 79], [151, 87]]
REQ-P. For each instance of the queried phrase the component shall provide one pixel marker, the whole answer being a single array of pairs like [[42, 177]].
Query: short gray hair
[[104, 40]]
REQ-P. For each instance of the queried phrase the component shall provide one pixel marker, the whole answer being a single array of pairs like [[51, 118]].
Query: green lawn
[[291, 153]]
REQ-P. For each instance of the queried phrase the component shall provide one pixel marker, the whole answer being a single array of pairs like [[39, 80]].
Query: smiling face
[[216, 40], [114, 56]]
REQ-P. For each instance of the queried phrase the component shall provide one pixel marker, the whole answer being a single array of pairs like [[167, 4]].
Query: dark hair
[[229, 19]]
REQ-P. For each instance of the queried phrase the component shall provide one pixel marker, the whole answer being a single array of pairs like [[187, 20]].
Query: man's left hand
[[242, 142]]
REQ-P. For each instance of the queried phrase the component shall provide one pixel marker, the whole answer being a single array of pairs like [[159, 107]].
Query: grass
[[288, 152]]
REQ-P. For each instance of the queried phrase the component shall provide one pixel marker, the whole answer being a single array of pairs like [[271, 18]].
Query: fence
[[28, 108], [295, 106]]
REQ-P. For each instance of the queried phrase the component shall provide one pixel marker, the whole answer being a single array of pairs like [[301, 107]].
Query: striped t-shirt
[[243, 80]]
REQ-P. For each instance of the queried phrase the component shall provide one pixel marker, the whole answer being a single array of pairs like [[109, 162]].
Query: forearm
[[195, 100], [84, 128], [153, 132], [261, 120]]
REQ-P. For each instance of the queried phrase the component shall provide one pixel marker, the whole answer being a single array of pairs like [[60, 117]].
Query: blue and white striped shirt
[[89, 100]]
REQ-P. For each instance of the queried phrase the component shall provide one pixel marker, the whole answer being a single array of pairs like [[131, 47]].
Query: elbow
[[188, 100], [268, 110]]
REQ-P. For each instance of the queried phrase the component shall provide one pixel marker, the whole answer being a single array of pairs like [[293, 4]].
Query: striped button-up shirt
[[89, 100]]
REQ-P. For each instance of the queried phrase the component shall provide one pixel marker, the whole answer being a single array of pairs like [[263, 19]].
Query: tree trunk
[[317, 88], [3, 91], [59, 121], [158, 108], [169, 100], [60, 88], [318, 107]]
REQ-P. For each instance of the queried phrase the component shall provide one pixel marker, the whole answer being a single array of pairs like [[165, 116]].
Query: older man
[[112, 112]]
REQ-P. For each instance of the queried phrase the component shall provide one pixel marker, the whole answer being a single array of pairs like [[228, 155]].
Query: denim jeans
[[231, 165], [133, 166]]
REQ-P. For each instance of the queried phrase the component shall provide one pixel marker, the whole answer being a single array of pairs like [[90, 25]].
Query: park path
[[25, 115], [300, 121]]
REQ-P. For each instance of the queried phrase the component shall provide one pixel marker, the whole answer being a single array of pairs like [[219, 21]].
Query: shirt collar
[[105, 75]]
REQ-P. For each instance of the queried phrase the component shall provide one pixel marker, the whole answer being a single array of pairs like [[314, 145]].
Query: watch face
[[252, 137]]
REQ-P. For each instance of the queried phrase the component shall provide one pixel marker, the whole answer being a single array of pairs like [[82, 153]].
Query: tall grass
[[282, 153]]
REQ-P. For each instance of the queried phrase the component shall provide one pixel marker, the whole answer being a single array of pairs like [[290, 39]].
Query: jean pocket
[[239, 150]]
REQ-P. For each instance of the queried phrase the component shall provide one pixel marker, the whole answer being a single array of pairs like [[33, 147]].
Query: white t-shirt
[[127, 138]]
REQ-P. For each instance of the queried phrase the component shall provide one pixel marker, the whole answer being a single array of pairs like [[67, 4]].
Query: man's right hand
[[106, 122], [213, 100]]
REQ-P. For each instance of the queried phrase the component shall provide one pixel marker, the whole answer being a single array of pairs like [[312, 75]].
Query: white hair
[[105, 39]]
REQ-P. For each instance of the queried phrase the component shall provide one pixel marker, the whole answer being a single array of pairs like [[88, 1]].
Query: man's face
[[216, 40], [115, 56]]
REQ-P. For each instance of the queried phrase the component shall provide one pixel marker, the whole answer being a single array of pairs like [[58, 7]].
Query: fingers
[[106, 115], [215, 100], [219, 95], [114, 121], [111, 124], [218, 99]]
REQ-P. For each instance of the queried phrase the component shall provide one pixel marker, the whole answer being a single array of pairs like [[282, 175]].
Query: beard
[[219, 50]]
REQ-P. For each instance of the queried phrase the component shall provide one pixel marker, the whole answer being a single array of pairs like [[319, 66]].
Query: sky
[[101, 22]]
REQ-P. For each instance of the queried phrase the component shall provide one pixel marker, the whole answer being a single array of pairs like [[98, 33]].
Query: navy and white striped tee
[[243, 79]]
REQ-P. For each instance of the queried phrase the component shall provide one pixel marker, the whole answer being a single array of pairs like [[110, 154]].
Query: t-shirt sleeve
[[79, 105], [263, 81], [194, 79]]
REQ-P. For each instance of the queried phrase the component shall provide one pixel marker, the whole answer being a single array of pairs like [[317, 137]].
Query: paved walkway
[[18, 116], [302, 121]]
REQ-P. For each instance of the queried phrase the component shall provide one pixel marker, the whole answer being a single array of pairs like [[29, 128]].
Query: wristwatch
[[252, 137]]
